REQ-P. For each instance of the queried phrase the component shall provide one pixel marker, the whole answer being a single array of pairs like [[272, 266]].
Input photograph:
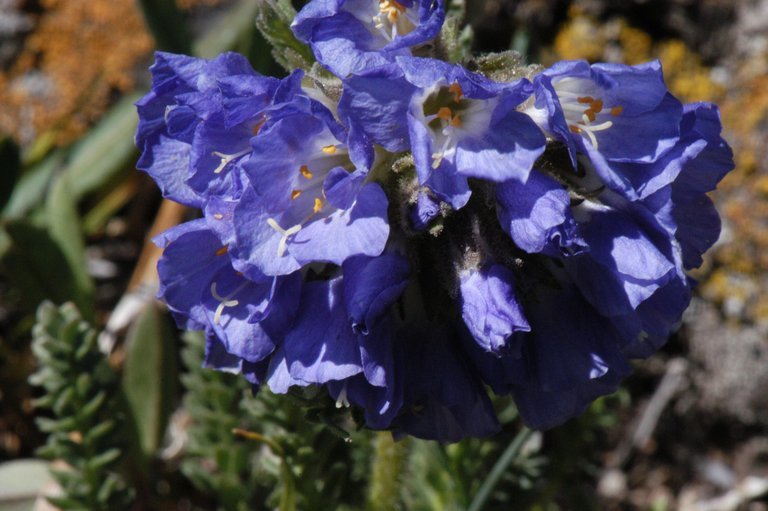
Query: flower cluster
[[426, 232]]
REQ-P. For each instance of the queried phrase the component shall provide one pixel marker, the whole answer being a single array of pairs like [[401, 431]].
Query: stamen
[[616, 111], [295, 194], [597, 106], [456, 121], [224, 301], [592, 138], [585, 99], [223, 250], [329, 149], [226, 158], [444, 113], [318, 205], [218, 216], [342, 399], [457, 92], [438, 156], [282, 245], [601, 127], [305, 172], [389, 12]]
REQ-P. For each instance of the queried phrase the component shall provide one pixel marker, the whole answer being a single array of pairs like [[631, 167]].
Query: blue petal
[[490, 307], [361, 230], [536, 215], [376, 102], [372, 285], [322, 347]]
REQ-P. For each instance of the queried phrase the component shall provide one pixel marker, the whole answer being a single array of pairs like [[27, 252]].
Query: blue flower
[[456, 123], [611, 113], [431, 233], [350, 36], [306, 191], [204, 292], [222, 97], [342, 336]]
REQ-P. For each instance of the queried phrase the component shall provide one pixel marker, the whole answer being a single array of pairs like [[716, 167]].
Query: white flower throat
[[449, 115], [585, 112]]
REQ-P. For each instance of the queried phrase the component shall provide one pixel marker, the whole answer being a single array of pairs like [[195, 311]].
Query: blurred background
[[687, 431]]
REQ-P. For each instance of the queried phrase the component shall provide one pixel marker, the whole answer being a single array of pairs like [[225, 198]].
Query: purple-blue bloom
[[611, 113], [457, 124], [349, 36], [409, 233]]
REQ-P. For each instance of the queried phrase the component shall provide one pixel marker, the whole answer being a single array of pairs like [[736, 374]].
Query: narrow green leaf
[[30, 190], [63, 401], [225, 32], [67, 504], [92, 406], [100, 461], [10, 168], [98, 431], [167, 24], [64, 225], [36, 266], [105, 151], [505, 460], [150, 375]]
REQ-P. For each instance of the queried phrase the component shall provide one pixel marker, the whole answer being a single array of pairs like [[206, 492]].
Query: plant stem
[[387, 464]]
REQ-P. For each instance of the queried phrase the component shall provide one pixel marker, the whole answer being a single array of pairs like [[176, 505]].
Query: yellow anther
[[218, 216], [575, 129], [392, 9], [305, 172], [456, 122], [318, 205], [223, 250], [591, 115], [457, 92], [616, 111], [444, 113], [329, 149], [597, 106], [295, 194], [587, 100]]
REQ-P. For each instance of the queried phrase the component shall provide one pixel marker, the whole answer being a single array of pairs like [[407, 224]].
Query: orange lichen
[[78, 56]]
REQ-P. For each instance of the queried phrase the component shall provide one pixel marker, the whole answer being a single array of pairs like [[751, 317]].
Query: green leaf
[[224, 34], [167, 24], [150, 375], [64, 226], [36, 266], [273, 19], [30, 190], [98, 431], [105, 151], [103, 459], [10, 168]]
